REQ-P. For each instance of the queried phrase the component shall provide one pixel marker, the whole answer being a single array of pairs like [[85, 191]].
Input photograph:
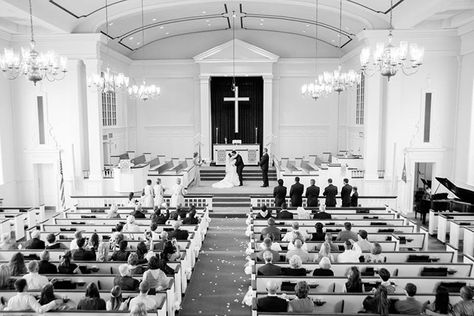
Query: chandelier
[[107, 82], [32, 64], [388, 59]]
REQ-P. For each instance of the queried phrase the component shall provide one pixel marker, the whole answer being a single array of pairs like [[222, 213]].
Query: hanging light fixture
[[108, 81], [338, 79], [388, 59], [315, 89], [233, 51], [144, 92], [32, 64]]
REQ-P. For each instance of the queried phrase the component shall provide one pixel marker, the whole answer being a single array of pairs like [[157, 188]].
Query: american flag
[[61, 184], [404, 171]]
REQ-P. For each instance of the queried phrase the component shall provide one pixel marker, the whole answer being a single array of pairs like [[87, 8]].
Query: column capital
[[267, 78]]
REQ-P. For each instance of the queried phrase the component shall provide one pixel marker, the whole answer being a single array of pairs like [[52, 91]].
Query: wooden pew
[[456, 231], [335, 229], [443, 222], [338, 216], [365, 201], [335, 222], [468, 244]]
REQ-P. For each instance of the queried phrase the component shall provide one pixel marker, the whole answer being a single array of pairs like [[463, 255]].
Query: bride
[[231, 178]]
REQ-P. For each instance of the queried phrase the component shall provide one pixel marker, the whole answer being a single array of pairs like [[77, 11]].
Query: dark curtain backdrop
[[250, 112]]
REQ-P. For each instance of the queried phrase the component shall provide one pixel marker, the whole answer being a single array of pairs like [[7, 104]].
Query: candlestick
[[217, 135], [256, 135]]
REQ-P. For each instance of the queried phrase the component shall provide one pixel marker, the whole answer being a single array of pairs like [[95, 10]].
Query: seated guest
[[274, 246], [354, 282], [295, 227], [138, 212], [138, 310], [103, 251], [362, 241], [6, 281], [77, 236], [17, 264], [116, 302], [113, 212], [66, 266], [466, 306], [23, 301], [384, 275], [92, 301], [379, 303], [269, 268], [171, 251], [125, 281], [441, 305], [7, 242], [264, 213], [296, 267], [328, 239], [156, 278], [121, 254], [117, 234], [159, 244], [52, 244], [301, 213], [144, 298], [46, 267], [271, 302], [160, 217], [130, 226], [47, 296], [325, 252], [93, 243], [134, 264], [283, 213], [271, 230], [131, 201], [319, 235], [351, 253], [35, 242], [34, 280], [410, 305], [375, 255], [303, 254], [322, 214], [179, 234], [346, 234], [302, 303], [324, 268], [142, 250], [191, 218], [81, 254], [163, 263], [267, 244]]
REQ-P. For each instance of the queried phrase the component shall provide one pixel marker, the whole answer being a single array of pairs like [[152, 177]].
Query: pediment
[[243, 52]]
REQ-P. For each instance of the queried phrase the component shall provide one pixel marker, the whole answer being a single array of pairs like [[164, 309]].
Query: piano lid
[[464, 195]]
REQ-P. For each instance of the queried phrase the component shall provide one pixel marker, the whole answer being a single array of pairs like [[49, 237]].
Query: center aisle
[[218, 283]]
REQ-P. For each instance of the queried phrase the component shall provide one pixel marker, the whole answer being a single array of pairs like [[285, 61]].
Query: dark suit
[[46, 267], [83, 255], [346, 191], [239, 165], [322, 215], [279, 193], [264, 166], [355, 199], [271, 230], [179, 234], [312, 195], [138, 214], [275, 255], [330, 193], [34, 243], [272, 304], [285, 215], [269, 269], [127, 283], [296, 194]]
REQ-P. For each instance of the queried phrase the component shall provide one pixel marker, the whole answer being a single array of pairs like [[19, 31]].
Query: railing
[[107, 173], [357, 174]]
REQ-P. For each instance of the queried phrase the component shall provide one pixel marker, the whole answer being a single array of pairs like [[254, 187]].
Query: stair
[[250, 173], [230, 204]]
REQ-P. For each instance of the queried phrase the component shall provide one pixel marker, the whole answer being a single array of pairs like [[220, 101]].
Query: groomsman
[[346, 191], [279, 193], [330, 193], [264, 166], [312, 194], [296, 193]]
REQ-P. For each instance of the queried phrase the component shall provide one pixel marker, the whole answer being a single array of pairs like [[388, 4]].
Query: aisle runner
[[218, 283]]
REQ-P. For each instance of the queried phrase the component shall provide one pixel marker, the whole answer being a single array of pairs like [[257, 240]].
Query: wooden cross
[[236, 100]]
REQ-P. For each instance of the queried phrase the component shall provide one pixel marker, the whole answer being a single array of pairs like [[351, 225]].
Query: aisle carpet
[[218, 283]]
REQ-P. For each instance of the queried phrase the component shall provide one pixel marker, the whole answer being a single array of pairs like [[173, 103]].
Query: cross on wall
[[236, 100]]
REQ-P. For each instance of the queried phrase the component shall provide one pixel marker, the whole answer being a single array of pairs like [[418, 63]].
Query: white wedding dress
[[231, 178]]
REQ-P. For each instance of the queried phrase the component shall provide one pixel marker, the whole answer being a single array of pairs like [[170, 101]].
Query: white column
[[268, 112], [94, 123], [206, 146]]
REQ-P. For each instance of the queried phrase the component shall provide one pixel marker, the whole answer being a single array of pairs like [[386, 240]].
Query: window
[[360, 101], [109, 109], [41, 129], [426, 134]]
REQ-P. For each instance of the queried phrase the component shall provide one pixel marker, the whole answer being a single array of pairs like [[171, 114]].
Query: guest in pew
[[93, 243], [274, 246], [44, 266], [7, 242], [52, 244], [156, 278], [6, 281], [191, 218], [144, 298], [375, 255], [138, 212], [302, 303], [35, 242], [303, 254], [328, 239], [159, 244], [271, 302], [296, 193], [362, 241], [354, 282], [77, 236], [130, 226], [17, 264], [131, 201], [23, 301], [319, 235], [142, 250], [322, 214], [264, 213], [283, 213], [279, 193], [121, 254], [163, 259], [354, 197], [271, 230], [103, 251], [125, 280], [297, 235], [351, 253], [138, 310], [134, 264], [113, 212], [312, 194], [346, 193], [296, 267], [466, 306], [66, 266], [116, 302], [269, 268], [325, 252], [441, 305], [179, 234], [379, 303], [92, 301], [301, 213], [347, 233], [330, 193], [81, 254], [160, 216], [295, 228], [324, 268], [384, 275], [171, 251], [47, 296], [409, 306], [267, 244], [34, 280]]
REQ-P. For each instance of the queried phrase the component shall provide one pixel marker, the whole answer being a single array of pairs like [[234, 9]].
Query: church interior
[[118, 113]]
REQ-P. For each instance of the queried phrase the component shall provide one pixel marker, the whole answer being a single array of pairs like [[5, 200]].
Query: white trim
[[206, 57]]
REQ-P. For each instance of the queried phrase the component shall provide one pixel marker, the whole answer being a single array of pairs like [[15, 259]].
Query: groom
[[239, 165]]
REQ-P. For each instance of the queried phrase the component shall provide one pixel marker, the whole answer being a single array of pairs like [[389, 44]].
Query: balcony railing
[[357, 174]]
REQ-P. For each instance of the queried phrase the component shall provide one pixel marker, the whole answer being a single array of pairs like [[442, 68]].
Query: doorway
[[423, 179]]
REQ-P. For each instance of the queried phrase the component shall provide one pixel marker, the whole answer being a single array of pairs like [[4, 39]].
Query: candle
[[217, 135], [256, 135]]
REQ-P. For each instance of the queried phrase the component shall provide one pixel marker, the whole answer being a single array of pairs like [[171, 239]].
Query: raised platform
[[250, 173]]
